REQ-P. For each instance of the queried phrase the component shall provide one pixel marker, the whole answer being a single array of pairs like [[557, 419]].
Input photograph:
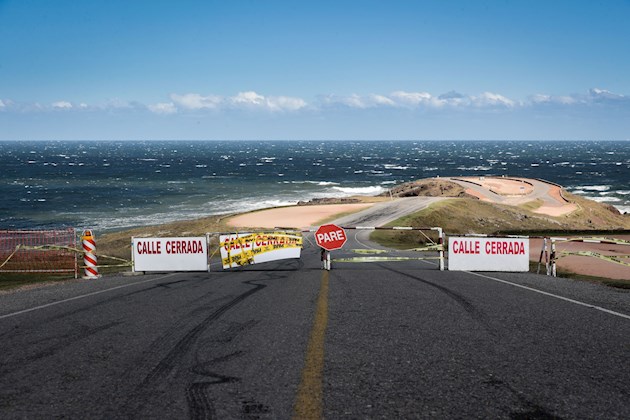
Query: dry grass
[[118, 244]]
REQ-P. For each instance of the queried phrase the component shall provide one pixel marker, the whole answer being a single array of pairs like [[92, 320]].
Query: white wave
[[397, 167], [474, 168], [623, 209], [593, 187], [320, 183], [600, 199], [360, 190]]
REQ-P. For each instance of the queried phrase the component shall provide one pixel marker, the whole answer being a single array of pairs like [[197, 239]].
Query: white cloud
[[62, 105], [248, 99], [357, 101], [196, 101], [489, 99], [549, 99], [412, 98], [286, 103], [380, 100], [253, 100], [164, 108], [420, 100], [603, 94], [592, 97], [353, 101]]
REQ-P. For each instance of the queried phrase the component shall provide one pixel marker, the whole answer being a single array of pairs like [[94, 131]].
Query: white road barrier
[[488, 254], [239, 249], [170, 254]]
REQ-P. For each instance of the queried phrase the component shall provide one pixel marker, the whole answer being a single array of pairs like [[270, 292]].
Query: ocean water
[[108, 185]]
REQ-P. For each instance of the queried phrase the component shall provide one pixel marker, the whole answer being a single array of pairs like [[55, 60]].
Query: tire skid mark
[[230, 333], [464, 303], [171, 368], [166, 365], [531, 410], [90, 307], [200, 406], [197, 395]]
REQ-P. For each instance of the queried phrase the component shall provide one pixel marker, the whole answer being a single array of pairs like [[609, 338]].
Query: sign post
[[329, 237]]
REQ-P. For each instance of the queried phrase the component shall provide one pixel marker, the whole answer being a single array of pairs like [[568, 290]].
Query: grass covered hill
[[464, 214]]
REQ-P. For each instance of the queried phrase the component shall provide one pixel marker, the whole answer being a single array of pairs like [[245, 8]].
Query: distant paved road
[[385, 212], [401, 340]]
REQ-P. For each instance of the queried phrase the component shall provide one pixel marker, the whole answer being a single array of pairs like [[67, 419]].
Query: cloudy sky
[[314, 69]]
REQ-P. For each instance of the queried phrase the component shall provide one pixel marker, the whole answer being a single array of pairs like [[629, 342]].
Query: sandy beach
[[300, 217]]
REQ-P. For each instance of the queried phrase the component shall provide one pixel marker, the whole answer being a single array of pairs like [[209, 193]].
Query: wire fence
[[38, 251]]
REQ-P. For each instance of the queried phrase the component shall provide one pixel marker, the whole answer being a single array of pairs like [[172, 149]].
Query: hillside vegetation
[[466, 216]]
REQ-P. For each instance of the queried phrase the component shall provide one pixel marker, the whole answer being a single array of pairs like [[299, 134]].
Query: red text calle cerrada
[[170, 247], [491, 247]]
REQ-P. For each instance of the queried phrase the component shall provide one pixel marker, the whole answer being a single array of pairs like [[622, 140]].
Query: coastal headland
[[461, 205]]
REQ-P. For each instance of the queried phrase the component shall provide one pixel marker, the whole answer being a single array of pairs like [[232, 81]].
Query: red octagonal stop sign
[[330, 237]]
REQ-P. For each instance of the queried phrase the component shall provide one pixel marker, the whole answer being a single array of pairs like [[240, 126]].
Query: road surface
[[286, 339]]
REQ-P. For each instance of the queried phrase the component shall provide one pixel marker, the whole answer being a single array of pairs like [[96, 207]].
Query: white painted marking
[[82, 296], [531, 289], [356, 238]]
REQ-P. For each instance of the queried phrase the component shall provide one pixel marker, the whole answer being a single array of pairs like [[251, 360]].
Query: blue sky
[[314, 69]]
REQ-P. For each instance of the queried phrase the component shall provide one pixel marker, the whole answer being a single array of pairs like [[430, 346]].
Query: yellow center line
[[308, 401]]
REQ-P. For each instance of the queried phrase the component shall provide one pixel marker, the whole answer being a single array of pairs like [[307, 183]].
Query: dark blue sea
[[108, 185]]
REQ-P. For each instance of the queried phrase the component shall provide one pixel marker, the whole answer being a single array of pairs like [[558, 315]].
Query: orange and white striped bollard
[[89, 255]]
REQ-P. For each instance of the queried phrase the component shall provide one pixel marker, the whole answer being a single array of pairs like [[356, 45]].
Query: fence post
[[553, 258], [89, 255], [76, 254], [441, 248], [542, 252]]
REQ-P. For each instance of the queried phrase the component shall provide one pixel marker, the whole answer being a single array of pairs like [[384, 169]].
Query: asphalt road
[[277, 340]]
